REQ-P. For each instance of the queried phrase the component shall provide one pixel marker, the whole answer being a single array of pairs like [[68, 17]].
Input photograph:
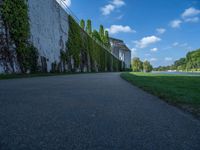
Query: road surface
[[90, 112]]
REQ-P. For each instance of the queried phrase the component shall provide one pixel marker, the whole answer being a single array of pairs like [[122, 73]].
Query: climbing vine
[[15, 16], [74, 42], [80, 45]]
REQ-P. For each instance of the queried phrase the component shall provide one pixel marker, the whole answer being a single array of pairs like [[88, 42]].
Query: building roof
[[117, 40], [120, 44]]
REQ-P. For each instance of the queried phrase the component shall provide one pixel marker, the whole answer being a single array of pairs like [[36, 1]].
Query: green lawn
[[180, 90]]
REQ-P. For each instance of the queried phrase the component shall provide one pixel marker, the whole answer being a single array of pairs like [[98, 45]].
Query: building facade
[[121, 51]]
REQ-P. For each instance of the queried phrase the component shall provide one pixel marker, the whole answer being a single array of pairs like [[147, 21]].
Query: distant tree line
[[190, 63], [139, 66], [101, 35]]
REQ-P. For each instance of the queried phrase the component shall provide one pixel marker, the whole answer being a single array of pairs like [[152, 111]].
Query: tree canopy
[[102, 36], [89, 27], [102, 33], [137, 64], [96, 35], [82, 24], [147, 67], [190, 63]]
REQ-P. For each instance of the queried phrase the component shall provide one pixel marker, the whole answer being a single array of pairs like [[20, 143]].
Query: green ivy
[[74, 42], [15, 16], [79, 42]]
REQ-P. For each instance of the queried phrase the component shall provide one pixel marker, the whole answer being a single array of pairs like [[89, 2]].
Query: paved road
[[90, 112]]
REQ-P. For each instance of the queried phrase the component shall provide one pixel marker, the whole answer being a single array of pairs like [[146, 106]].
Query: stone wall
[[49, 27], [8, 59], [127, 59], [121, 51], [49, 34], [49, 30]]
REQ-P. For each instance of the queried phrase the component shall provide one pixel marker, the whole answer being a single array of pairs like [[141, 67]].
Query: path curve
[[90, 112]]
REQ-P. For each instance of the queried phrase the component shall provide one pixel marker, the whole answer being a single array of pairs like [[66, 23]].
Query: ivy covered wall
[[48, 44], [49, 32], [14, 14], [84, 54]]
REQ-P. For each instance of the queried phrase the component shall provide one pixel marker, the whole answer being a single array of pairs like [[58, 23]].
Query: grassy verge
[[179, 90]]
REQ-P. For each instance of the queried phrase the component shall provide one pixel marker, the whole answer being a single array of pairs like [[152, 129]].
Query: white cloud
[[175, 23], [193, 20], [64, 2], [161, 30], [154, 49], [190, 15], [114, 29], [168, 58], [184, 45], [166, 48], [189, 48], [120, 17], [147, 55], [190, 12], [175, 44], [109, 8], [146, 41], [153, 59], [133, 49], [118, 3]]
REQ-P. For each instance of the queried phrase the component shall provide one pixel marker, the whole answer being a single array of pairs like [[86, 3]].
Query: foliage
[[190, 63], [101, 33], [137, 65], [180, 64], [102, 36], [193, 60], [15, 16], [96, 35], [82, 24], [85, 50], [89, 27], [107, 40], [147, 67], [74, 41]]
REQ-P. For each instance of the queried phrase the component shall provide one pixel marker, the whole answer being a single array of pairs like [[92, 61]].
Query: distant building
[[121, 51]]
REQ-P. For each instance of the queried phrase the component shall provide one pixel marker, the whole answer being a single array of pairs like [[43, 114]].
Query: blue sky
[[160, 31]]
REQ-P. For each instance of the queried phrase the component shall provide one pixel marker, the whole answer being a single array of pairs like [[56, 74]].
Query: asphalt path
[[90, 112]]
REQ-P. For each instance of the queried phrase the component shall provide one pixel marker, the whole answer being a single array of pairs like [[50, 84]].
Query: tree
[[193, 60], [147, 67], [190, 63], [107, 39], [89, 27], [82, 24], [137, 65], [102, 33], [180, 64], [96, 35]]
